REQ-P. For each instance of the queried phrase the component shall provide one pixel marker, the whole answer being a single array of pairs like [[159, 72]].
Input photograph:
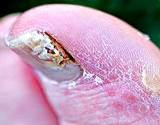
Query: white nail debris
[[98, 80]]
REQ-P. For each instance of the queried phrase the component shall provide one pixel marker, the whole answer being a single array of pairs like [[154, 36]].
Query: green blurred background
[[142, 14]]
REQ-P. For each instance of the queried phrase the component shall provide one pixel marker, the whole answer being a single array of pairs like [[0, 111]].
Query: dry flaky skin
[[151, 79], [117, 60]]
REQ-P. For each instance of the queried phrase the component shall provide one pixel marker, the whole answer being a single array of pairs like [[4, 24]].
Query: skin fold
[[21, 99], [121, 81]]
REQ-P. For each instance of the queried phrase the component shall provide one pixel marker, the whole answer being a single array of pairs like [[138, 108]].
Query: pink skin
[[110, 49], [21, 97], [5, 24]]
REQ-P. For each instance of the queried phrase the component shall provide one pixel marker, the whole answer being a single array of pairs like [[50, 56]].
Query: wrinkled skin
[[108, 48], [21, 97]]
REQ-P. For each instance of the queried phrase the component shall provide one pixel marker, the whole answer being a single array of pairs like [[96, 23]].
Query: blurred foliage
[[142, 14]]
